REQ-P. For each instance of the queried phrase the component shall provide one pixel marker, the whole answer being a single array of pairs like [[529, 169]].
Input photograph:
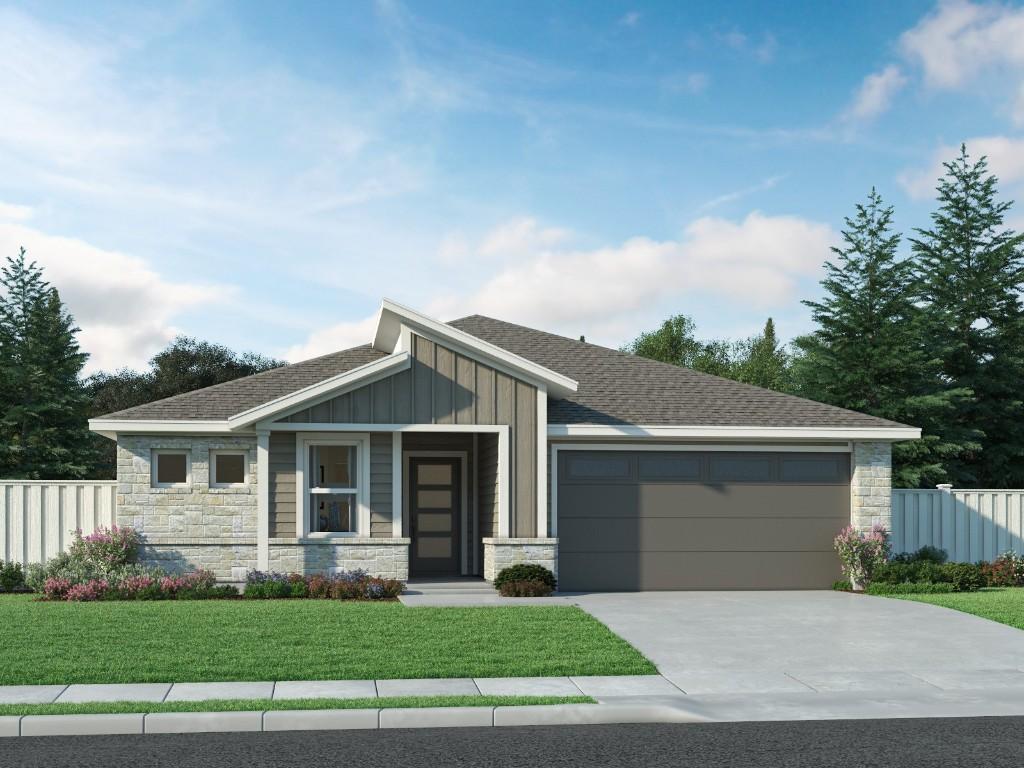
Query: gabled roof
[[617, 388]]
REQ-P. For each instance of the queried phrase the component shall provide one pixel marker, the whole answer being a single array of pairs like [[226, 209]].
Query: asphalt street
[[988, 742]]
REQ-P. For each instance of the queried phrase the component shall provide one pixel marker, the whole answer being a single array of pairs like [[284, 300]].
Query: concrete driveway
[[829, 642]]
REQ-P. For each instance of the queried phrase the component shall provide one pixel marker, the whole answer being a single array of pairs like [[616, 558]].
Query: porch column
[[871, 486], [263, 500]]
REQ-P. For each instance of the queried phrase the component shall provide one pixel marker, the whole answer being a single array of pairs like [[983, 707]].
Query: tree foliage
[[971, 269], [867, 352], [43, 404]]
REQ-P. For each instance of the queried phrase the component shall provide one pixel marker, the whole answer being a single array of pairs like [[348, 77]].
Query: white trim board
[[330, 427], [463, 511], [740, 433], [392, 316]]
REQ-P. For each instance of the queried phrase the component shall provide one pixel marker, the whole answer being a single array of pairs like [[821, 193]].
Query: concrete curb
[[338, 719]]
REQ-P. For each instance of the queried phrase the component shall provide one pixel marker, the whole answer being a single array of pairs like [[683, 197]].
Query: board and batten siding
[[445, 387], [38, 518]]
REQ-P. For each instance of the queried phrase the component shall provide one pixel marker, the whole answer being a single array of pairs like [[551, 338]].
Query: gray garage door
[[700, 520]]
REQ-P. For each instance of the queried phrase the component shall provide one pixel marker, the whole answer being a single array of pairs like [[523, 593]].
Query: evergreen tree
[[762, 361], [43, 406], [971, 273], [867, 355]]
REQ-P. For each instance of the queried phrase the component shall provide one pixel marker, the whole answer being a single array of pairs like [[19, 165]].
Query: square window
[[170, 468], [227, 468]]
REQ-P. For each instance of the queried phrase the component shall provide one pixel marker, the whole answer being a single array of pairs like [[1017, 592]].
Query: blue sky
[[260, 174]]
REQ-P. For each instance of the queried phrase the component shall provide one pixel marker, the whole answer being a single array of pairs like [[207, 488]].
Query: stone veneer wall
[[192, 527], [501, 553], [384, 557], [871, 486]]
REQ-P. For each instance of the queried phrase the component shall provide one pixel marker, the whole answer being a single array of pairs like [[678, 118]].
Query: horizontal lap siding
[[380, 483], [282, 484]]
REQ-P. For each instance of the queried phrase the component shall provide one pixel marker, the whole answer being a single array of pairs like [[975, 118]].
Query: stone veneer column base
[[871, 486], [501, 553], [386, 558]]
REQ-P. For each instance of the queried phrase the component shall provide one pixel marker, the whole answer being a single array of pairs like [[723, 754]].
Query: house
[[458, 448]]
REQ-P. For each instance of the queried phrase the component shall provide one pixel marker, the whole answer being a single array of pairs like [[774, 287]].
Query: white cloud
[[1005, 160], [333, 338], [757, 261], [961, 41], [876, 93], [14, 212], [521, 235], [125, 309]]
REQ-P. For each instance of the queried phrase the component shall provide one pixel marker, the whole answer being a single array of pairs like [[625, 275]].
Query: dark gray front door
[[635, 520], [434, 508]]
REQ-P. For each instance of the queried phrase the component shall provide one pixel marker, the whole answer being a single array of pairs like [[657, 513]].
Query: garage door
[[638, 520]]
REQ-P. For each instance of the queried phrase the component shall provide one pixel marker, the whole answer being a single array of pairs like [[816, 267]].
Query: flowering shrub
[[90, 590], [56, 588], [106, 548], [861, 553], [1007, 570], [346, 585]]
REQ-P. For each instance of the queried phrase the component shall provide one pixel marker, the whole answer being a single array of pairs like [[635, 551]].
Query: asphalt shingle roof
[[620, 388], [223, 400], [614, 388]]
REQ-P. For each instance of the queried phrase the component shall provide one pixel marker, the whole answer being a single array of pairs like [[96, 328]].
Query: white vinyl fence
[[38, 518], [970, 525]]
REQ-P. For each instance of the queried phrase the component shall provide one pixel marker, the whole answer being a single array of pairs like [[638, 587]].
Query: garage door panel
[[695, 534], [693, 500], [696, 570]]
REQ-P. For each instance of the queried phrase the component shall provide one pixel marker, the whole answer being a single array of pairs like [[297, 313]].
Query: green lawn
[[264, 705], [1005, 604], [191, 641]]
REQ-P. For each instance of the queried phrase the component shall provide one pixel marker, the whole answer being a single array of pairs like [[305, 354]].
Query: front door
[[434, 509]]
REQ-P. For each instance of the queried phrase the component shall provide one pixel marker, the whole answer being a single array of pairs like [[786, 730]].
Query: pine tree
[[971, 274], [762, 361], [866, 353], [43, 405]]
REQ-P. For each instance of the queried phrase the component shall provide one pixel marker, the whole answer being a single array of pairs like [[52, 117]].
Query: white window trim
[[215, 452], [361, 442], [154, 459]]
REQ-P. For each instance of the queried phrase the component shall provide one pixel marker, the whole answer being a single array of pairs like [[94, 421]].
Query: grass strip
[[265, 705], [230, 640], [1002, 604]]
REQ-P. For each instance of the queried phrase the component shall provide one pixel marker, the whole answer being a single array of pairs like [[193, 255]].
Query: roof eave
[[885, 434]]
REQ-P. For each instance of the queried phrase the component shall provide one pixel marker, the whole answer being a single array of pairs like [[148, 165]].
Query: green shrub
[[904, 572], [926, 554], [525, 572], [965, 577], [525, 588], [268, 590], [12, 577], [842, 586], [908, 588]]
